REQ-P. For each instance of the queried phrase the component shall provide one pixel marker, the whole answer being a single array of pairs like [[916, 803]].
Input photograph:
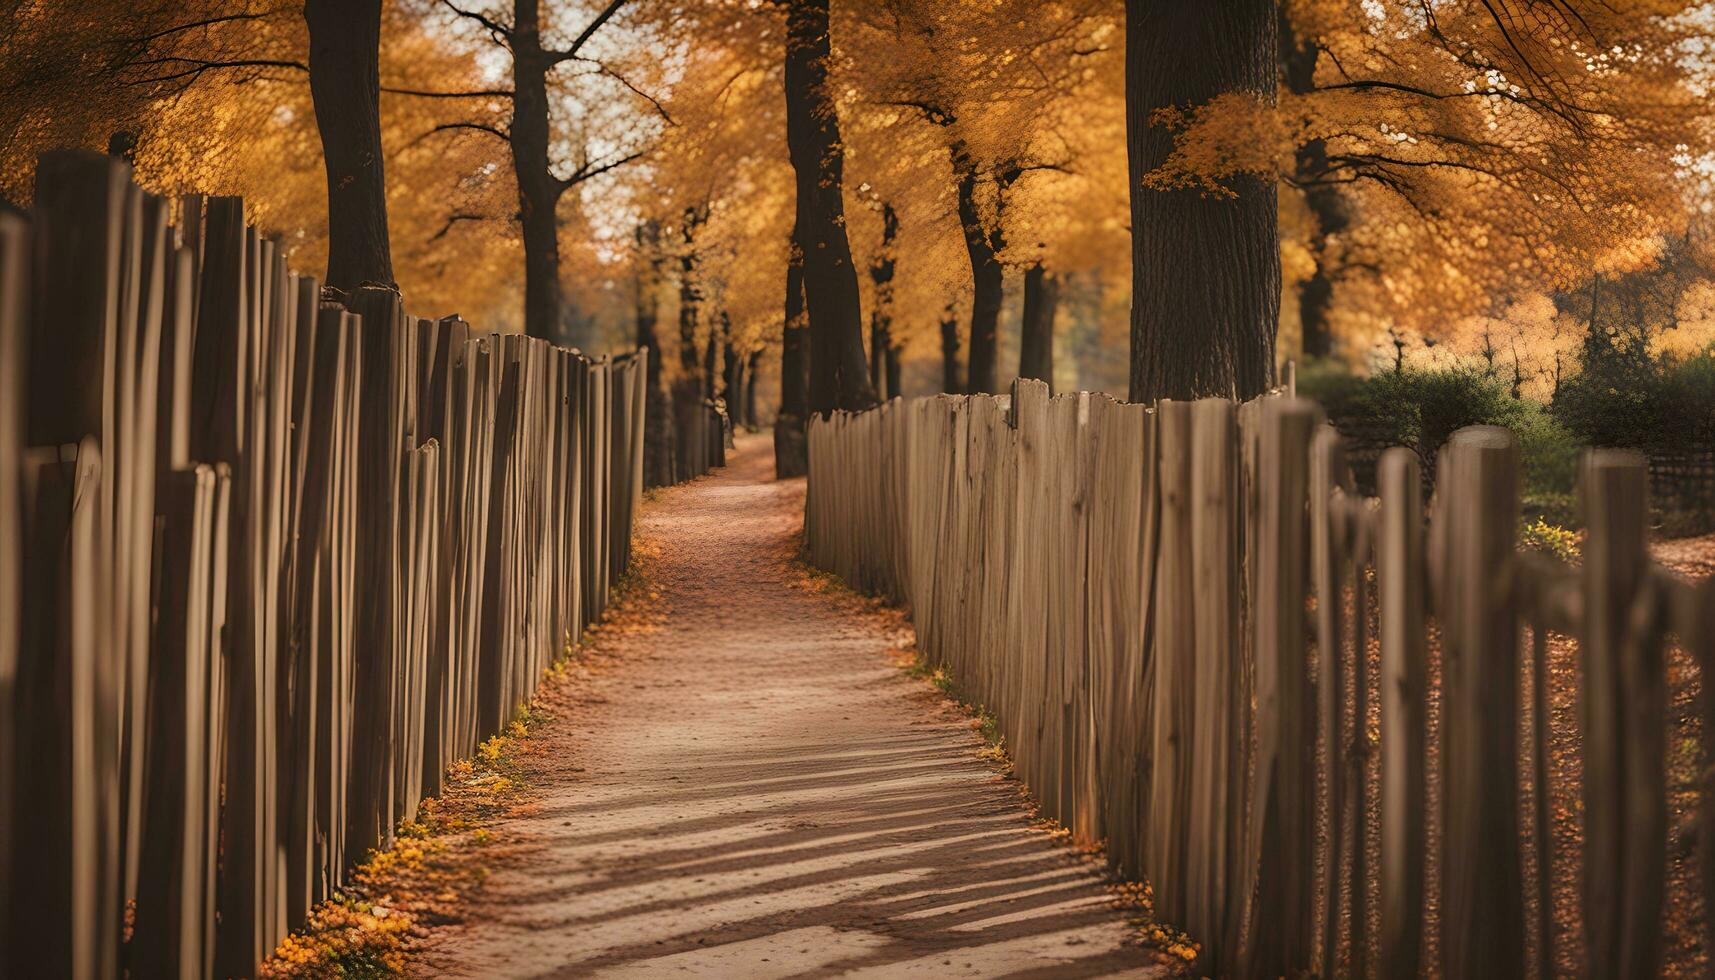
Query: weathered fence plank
[[244, 572], [1476, 527], [1402, 580], [1229, 744]]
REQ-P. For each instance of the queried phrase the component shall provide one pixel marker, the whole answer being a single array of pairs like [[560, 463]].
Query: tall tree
[[1327, 206], [837, 370], [1453, 158], [1036, 328], [529, 133], [984, 242], [882, 352], [950, 381], [1205, 267], [688, 385], [658, 411], [791, 456], [345, 82]]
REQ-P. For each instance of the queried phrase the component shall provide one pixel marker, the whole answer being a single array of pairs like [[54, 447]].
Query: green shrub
[[1421, 409], [1551, 452], [1648, 403]]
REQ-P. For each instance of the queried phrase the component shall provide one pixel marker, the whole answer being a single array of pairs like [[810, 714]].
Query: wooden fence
[[1305, 715], [267, 565]]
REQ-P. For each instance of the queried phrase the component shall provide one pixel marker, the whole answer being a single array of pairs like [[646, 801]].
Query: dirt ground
[[757, 790]]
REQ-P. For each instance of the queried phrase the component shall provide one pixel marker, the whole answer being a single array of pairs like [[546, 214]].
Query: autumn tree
[[345, 82], [1036, 332], [837, 371], [1205, 261], [650, 259], [1002, 92], [525, 34], [1451, 159], [883, 350]]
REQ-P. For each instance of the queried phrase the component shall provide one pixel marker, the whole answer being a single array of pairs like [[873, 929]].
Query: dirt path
[[758, 792]]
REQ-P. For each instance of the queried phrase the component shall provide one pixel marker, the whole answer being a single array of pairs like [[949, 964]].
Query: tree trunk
[[894, 372], [838, 374], [538, 189], [712, 387], [1205, 269], [877, 355], [1326, 204], [987, 282], [688, 388], [733, 372], [791, 454], [658, 408], [1036, 333], [752, 365], [950, 353], [345, 86], [881, 316]]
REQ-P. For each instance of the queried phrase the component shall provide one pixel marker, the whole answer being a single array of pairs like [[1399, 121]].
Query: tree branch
[[453, 219], [193, 25], [478, 127], [194, 67], [500, 33], [587, 171], [555, 57], [603, 69], [499, 93]]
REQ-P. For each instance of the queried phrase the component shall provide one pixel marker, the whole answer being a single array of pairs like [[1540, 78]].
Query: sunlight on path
[[758, 792]]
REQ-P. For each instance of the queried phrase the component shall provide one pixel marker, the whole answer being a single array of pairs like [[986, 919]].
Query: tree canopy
[[1471, 181]]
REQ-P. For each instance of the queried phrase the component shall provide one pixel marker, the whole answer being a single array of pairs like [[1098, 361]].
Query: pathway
[[757, 791]]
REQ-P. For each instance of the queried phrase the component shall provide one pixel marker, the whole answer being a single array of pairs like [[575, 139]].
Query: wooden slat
[[14, 325], [1215, 708], [1283, 794], [1482, 909], [172, 900], [1174, 663], [1402, 583], [66, 729], [1329, 551]]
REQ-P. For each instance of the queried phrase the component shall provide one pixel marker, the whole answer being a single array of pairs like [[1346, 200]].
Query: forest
[[1499, 211]]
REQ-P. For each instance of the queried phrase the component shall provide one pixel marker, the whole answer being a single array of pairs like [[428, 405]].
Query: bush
[[1550, 451], [1662, 403], [1421, 409]]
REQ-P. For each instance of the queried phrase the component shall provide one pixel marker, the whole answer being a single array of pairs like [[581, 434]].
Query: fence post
[[1404, 685], [1622, 701], [1282, 839], [14, 321], [1174, 663], [1482, 910], [1329, 548], [1218, 711]]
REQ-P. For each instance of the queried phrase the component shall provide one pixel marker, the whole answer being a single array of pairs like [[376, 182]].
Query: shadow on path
[[758, 792]]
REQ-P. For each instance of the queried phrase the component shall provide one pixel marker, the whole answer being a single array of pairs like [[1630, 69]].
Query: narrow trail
[[757, 791]]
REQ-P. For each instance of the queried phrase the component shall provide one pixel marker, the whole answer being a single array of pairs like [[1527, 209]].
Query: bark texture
[[950, 382], [838, 374], [983, 245], [688, 387], [1316, 295], [1036, 333], [658, 407], [538, 189], [1205, 269], [791, 451], [345, 85], [881, 314]]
